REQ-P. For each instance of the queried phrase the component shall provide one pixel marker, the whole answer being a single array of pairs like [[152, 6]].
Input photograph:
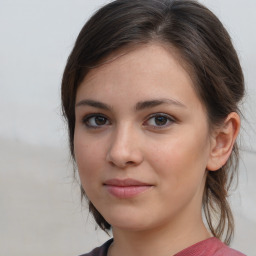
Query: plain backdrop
[[40, 210]]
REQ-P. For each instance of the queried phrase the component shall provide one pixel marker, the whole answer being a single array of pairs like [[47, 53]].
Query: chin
[[130, 225], [131, 220]]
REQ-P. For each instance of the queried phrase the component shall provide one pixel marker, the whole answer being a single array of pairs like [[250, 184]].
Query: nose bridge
[[125, 147]]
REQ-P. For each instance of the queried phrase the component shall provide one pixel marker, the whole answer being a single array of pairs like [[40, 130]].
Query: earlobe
[[222, 142]]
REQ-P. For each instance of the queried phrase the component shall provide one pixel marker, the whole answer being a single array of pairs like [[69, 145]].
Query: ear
[[222, 142]]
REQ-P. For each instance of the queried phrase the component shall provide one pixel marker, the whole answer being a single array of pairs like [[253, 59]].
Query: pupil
[[99, 120], [161, 120]]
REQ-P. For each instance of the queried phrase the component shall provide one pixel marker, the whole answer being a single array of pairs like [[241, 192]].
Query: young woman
[[150, 93]]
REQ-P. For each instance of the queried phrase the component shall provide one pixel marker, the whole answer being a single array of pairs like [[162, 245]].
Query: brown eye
[[96, 121], [100, 120], [159, 121]]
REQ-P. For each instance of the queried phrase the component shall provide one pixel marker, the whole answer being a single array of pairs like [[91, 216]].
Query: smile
[[127, 188]]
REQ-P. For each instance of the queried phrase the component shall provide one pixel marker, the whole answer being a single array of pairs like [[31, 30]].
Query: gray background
[[40, 209]]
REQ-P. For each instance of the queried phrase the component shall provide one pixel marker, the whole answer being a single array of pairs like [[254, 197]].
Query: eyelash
[[169, 119], [89, 117]]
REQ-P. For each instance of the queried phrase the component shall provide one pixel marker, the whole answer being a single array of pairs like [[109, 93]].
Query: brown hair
[[206, 47]]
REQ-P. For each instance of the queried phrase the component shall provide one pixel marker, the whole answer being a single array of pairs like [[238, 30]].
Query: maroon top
[[209, 247]]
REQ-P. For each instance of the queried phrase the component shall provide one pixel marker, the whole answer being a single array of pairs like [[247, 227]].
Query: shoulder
[[221, 249], [100, 251], [227, 251], [209, 247]]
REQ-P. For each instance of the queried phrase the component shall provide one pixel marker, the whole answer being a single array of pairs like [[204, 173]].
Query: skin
[[139, 117]]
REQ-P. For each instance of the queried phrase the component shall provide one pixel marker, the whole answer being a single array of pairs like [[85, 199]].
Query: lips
[[126, 188]]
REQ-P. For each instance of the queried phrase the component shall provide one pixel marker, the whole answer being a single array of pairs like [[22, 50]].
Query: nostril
[[123, 157], [129, 162]]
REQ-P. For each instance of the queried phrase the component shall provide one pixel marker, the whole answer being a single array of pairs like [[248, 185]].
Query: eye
[[95, 121], [159, 120]]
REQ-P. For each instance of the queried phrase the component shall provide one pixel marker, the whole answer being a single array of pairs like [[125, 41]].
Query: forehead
[[144, 51], [140, 71]]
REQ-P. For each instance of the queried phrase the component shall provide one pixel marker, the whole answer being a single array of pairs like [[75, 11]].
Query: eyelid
[[87, 117], [169, 117], [161, 114]]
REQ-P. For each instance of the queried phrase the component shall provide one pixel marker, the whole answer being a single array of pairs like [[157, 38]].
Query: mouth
[[126, 188]]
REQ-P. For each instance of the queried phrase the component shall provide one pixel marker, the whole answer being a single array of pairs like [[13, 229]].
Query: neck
[[161, 241]]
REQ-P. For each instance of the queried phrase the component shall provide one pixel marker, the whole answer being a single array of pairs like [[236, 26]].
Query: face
[[141, 140]]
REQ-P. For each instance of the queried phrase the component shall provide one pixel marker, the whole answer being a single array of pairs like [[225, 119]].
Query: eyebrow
[[93, 103], [138, 107], [156, 102]]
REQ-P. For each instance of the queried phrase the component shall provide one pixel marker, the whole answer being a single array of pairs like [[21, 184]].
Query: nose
[[125, 149]]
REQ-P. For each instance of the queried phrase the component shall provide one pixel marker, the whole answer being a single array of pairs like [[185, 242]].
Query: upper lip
[[125, 182]]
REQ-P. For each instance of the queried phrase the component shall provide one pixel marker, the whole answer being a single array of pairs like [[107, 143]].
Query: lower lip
[[126, 192]]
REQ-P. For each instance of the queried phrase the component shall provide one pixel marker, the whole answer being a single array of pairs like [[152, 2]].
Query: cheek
[[181, 159], [87, 157], [180, 172]]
